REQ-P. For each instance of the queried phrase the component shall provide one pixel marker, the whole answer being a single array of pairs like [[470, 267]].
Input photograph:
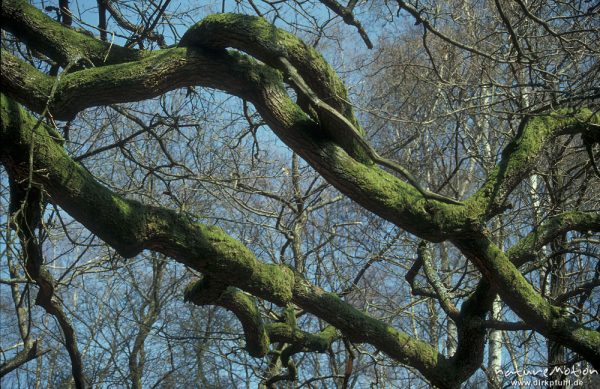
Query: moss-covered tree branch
[[59, 42], [520, 155], [155, 74], [207, 292], [269, 44], [315, 82], [258, 335], [372, 187], [130, 227], [551, 321]]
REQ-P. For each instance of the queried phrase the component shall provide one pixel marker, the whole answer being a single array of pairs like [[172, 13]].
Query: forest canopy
[[300, 193]]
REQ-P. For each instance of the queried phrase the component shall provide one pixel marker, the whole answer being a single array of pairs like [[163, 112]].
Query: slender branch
[[417, 14], [346, 14], [442, 294], [27, 201], [138, 30], [581, 289], [24, 356], [526, 249]]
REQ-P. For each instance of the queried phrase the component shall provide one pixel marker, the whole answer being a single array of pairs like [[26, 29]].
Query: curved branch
[[209, 292], [525, 250], [443, 295], [311, 76], [209, 250], [257, 334], [155, 74], [129, 227], [264, 41], [164, 70]]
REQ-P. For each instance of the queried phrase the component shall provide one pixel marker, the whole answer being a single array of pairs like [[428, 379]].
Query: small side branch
[[26, 355], [346, 14], [444, 296]]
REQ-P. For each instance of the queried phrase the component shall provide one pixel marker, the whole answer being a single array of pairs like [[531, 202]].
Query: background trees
[[453, 163]]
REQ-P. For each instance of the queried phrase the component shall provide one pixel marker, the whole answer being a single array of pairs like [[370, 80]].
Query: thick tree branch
[[165, 70], [130, 227], [314, 80], [321, 147], [320, 342], [157, 73], [257, 334], [551, 321], [264, 41], [209, 292], [58, 42]]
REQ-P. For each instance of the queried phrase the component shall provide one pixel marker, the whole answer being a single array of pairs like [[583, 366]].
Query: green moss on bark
[[210, 292], [523, 299], [58, 42], [266, 42], [520, 155]]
